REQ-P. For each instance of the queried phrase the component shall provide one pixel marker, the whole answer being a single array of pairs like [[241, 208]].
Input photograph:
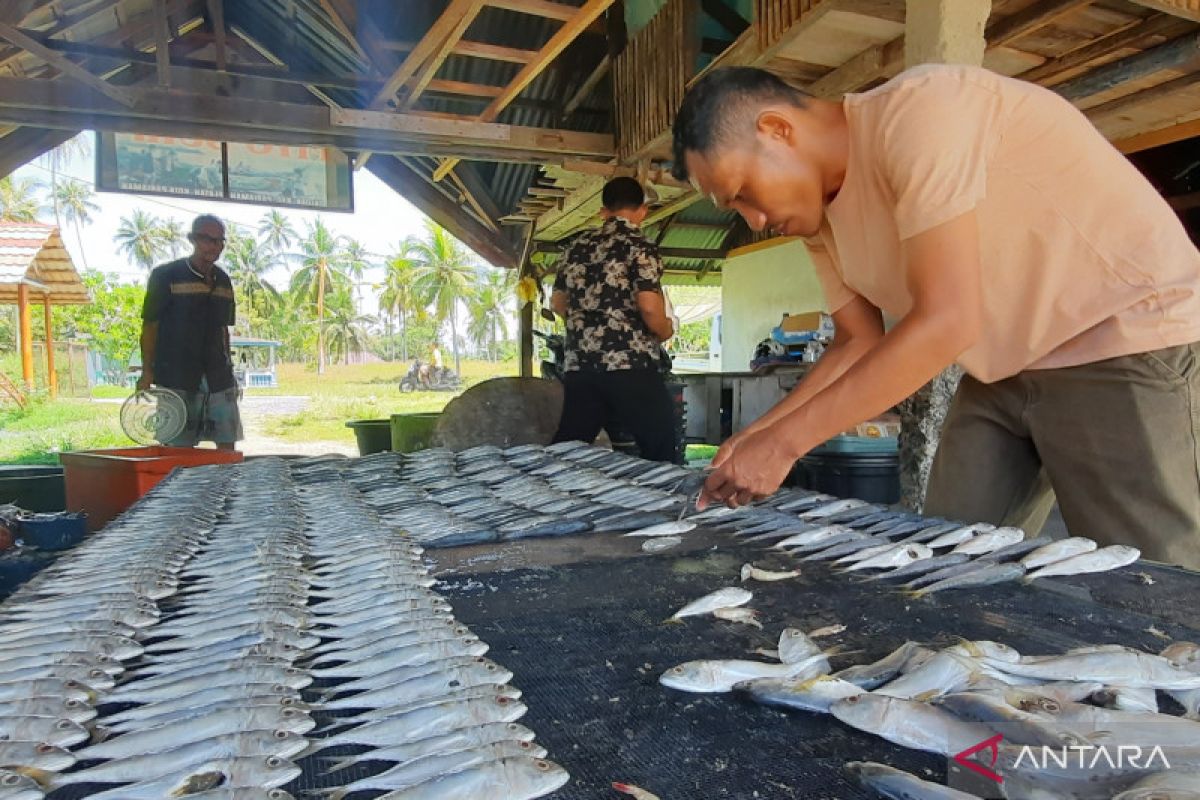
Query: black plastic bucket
[[372, 435], [33, 488], [873, 477]]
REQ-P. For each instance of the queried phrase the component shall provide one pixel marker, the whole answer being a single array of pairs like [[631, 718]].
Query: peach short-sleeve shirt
[[1082, 259]]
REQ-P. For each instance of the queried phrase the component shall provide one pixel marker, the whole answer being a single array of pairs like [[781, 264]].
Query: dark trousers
[[633, 401]]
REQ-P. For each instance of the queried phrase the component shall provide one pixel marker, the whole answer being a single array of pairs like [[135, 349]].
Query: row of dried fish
[[71, 632]]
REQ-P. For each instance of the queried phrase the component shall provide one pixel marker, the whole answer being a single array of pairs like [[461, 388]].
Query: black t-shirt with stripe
[[192, 316]]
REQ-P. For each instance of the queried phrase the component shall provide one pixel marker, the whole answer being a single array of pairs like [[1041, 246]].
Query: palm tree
[[444, 277], [140, 238], [276, 231], [56, 159], [489, 307], [322, 269], [248, 263], [18, 199], [74, 199], [399, 296], [344, 329], [173, 236]]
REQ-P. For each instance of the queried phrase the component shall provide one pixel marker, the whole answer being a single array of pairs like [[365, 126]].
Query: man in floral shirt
[[609, 292]]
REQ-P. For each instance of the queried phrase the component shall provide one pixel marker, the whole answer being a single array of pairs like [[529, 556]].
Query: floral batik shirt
[[602, 272]]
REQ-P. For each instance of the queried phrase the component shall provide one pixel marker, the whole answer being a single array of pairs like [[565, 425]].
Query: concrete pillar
[[935, 32], [945, 31], [25, 325]]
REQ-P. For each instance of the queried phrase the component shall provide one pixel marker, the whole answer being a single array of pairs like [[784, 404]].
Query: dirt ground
[[255, 412]]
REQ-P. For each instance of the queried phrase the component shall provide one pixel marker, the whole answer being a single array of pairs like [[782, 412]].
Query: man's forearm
[[149, 342], [907, 358], [834, 363]]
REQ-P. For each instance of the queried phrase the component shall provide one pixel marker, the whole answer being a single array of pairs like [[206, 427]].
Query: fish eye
[[502, 700], [274, 762], [491, 667], [542, 765], [1046, 704], [11, 780], [281, 734], [275, 793], [44, 748], [73, 703], [63, 724], [524, 745], [677, 670]]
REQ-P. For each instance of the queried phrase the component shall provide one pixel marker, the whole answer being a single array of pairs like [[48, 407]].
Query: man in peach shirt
[[997, 228]]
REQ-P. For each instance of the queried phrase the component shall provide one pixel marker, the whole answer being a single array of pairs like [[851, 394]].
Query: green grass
[[44, 429], [111, 392], [358, 391]]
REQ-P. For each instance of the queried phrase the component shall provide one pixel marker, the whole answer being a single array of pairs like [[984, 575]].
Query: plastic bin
[[52, 531], [412, 432], [103, 483], [18, 566], [33, 488], [372, 435], [852, 466]]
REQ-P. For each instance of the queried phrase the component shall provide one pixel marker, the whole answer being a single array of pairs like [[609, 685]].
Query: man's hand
[[753, 468], [145, 381]]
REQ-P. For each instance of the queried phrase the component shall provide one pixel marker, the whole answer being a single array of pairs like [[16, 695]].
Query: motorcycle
[[425, 378]]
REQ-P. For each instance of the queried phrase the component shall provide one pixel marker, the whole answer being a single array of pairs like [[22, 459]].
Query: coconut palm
[[74, 200], [248, 263], [59, 157], [322, 269], [19, 200], [276, 231], [173, 236], [345, 330], [399, 296], [444, 278], [489, 307], [140, 238]]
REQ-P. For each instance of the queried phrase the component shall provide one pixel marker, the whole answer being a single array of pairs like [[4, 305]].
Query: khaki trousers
[[1118, 442]]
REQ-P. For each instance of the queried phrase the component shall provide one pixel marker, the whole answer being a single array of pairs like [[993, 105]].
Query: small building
[[35, 267], [254, 362]]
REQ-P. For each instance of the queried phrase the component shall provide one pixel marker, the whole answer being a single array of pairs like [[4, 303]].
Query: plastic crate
[[103, 483]]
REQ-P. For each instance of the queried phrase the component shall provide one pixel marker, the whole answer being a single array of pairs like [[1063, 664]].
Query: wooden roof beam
[[467, 10], [429, 46], [1156, 92], [1169, 135], [587, 86], [340, 18], [1174, 53], [1187, 9], [216, 16], [542, 8], [1126, 36], [464, 47], [67, 103], [1030, 20], [65, 65], [585, 16], [23, 145]]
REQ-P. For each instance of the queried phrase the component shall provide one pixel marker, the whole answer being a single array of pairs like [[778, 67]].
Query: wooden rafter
[[467, 13], [587, 86], [464, 47], [1187, 9], [1031, 20], [65, 65], [162, 43], [429, 45], [343, 26], [66, 103], [1170, 54], [1157, 92], [1123, 37], [216, 14], [1169, 135], [586, 15]]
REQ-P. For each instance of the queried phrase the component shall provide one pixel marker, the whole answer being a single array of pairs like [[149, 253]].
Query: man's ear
[[774, 124]]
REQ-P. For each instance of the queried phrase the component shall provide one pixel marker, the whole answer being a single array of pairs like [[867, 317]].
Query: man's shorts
[[212, 417]]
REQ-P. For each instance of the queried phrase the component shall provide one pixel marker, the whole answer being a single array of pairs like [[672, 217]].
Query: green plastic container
[[372, 435], [33, 488], [411, 432]]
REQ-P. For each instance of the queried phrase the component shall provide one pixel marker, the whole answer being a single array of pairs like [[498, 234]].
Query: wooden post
[[945, 32], [26, 327], [526, 340], [51, 376]]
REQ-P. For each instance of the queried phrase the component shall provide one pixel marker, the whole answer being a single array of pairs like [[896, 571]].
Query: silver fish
[[987, 575], [218, 723], [899, 785], [1057, 551], [874, 675], [728, 597], [716, 675], [448, 742], [908, 723], [810, 694], [511, 778], [54, 731], [427, 721], [432, 767], [990, 541], [1102, 560]]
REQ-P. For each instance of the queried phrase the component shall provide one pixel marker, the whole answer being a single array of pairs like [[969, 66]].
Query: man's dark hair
[[623, 193], [721, 105], [204, 219]]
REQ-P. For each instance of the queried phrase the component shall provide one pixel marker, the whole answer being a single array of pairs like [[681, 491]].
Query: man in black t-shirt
[[185, 338], [609, 292]]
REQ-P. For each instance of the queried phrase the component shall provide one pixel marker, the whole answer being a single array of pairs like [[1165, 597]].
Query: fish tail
[[915, 594], [48, 780], [335, 764], [672, 621]]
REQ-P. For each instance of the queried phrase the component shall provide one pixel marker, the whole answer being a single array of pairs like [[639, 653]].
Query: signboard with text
[[317, 178]]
